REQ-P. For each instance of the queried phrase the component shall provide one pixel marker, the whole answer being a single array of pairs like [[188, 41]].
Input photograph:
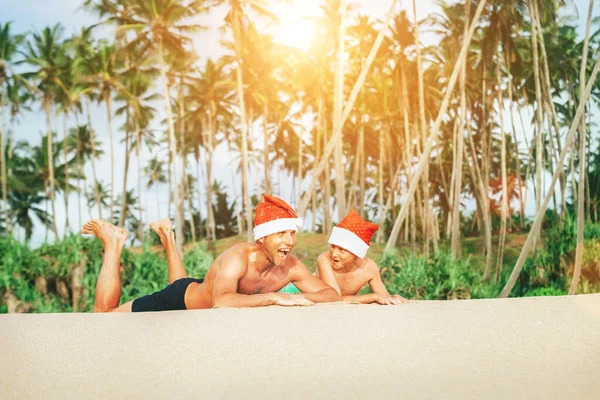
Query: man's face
[[340, 257], [278, 246]]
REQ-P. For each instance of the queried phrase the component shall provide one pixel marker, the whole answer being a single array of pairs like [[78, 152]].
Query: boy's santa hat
[[353, 234], [274, 215]]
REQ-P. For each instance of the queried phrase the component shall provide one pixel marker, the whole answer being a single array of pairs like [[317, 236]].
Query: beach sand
[[542, 347]]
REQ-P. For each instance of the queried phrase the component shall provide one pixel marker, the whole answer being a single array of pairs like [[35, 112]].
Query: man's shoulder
[[240, 249], [294, 262], [237, 255]]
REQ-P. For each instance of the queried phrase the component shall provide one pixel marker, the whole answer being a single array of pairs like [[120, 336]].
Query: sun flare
[[297, 25]]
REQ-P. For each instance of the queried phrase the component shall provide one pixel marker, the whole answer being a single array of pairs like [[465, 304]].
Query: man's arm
[[233, 268], [326, 274], [312, 287]]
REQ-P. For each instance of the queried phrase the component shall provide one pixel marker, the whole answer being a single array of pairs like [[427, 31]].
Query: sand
[[542, 348]]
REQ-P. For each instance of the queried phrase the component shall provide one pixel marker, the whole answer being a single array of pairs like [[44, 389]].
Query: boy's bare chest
[[350, 283]]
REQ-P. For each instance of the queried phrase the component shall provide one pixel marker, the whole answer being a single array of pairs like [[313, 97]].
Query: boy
[[346, 269]]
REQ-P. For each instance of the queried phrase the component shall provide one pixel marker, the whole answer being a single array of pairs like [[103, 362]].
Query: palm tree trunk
[[382, 133], [362, 168], [4, 202], [327, 181], [79, 179], [582, 161], [338, 99], [318, 139], [485, 207], [123, 208], [47, 106], [539, 166], [504, 209], [139, 177], [424, 134], [65, 151], [240, 92], [266, 150], [434, 132], [452, 180], [93, 146], [107, 101], [540, 213], [79, 164], [455, 241], [300, 166], [516, 150], [191, 206], [184, 189], [172, 152], [211, 145]]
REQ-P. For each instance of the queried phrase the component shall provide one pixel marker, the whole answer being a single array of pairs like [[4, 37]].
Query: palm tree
[[155, 171], [46, 54], [435, 129], [159, 26], [138, 116], [237, 18], [210, 92], [100, 73], [582, 163], [80, 140], [24, 204], [103, 196], [9, 44]]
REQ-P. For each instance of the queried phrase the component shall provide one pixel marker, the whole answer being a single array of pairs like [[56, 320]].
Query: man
[[245, 275], [346, 269]]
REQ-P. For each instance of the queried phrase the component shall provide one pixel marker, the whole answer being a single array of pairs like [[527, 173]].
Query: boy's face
[[340, 257], [278, 246]]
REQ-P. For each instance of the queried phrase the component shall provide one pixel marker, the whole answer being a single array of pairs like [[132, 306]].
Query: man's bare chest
[[254, 283]]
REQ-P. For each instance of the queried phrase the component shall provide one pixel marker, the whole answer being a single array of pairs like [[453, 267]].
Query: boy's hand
[[402, 299], [390, 300], [291, 300]]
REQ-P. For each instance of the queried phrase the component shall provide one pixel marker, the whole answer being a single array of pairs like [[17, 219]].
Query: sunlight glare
[[297, 25]]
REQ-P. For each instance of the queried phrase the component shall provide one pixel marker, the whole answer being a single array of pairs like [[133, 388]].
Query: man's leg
[[108, 286], [165, 232]]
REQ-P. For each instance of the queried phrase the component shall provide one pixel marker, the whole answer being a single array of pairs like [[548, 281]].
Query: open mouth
[[283, 253]]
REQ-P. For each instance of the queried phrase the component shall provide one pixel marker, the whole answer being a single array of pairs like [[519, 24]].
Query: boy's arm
[[380, 294], [233, 268], [312, 287], [378, 288]]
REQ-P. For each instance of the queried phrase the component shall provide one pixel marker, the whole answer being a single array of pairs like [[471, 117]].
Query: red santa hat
[[274, 215], [353, 234]]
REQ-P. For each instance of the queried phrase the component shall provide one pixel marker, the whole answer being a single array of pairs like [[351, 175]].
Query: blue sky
[[30, 15]]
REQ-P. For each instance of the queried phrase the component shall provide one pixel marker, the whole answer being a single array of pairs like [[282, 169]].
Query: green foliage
[[546, 291], [197, 261], [141, 273], [440, 277]]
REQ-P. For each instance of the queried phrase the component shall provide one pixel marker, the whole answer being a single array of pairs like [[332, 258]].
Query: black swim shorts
[[170, 298]]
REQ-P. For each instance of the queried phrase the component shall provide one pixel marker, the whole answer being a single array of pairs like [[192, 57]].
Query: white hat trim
[[277, 225], [348, 240]]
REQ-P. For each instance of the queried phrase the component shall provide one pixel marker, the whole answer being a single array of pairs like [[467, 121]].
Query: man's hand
[[291, 300], [390, 300]]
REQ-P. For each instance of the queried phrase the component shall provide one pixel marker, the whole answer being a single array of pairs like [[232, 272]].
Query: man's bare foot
[[106, 232], [163, 228]]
